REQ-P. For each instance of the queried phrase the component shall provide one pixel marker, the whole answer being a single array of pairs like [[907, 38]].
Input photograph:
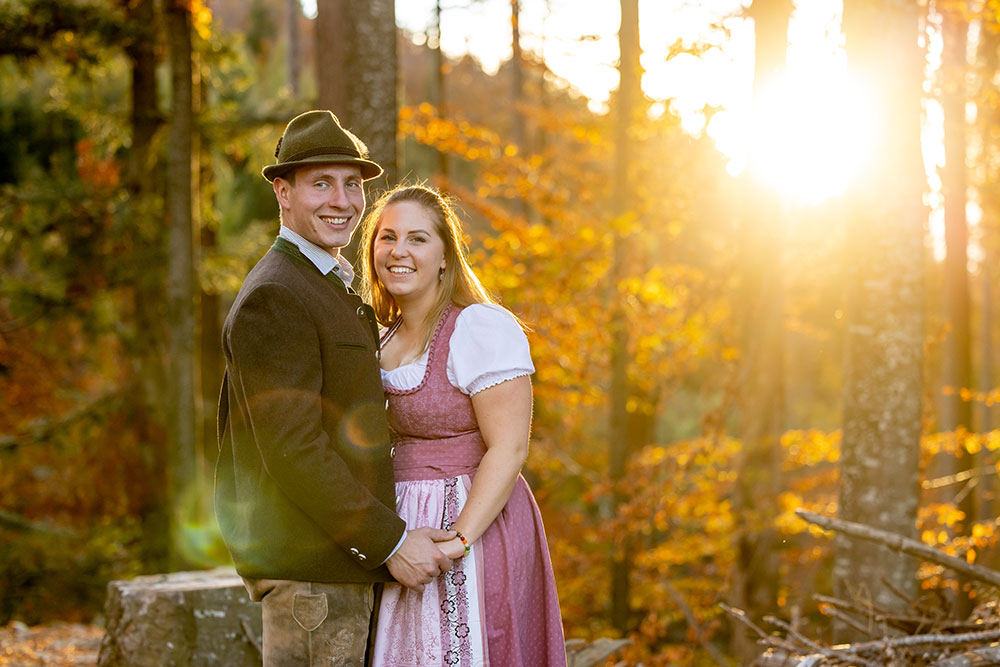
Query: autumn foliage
[[83, 257]]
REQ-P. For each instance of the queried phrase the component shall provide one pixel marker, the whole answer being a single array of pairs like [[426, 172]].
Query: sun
[[808, 138]]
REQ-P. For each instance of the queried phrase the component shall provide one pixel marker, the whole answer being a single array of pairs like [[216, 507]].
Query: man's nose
[[338, 196]]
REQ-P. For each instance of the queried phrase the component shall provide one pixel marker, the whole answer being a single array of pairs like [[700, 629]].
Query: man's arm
[[279, 378]]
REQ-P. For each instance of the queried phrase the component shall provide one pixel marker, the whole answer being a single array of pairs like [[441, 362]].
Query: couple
[[336, 475]]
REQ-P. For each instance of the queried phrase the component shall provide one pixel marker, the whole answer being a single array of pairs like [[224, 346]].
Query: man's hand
[[419, 559]]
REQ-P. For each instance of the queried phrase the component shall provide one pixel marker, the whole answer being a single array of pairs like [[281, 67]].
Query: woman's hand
[[453, 548]]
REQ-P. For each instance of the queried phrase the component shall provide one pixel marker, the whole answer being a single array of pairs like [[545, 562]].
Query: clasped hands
[[425, 553]]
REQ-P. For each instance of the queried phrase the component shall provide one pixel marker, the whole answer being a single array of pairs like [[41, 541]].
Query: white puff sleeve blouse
[[487, 347]]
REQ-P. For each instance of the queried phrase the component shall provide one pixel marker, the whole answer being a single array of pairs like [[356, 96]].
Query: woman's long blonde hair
[[458, 285]]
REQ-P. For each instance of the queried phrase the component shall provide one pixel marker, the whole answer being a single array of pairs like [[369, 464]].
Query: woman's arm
[[504, 415]]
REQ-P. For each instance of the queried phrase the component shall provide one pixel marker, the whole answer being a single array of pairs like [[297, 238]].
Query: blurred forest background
[[711, 353]]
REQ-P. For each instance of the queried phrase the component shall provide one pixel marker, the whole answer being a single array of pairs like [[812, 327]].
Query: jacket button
[[361, 312], [392, 452], [361, 557], [354, 551]]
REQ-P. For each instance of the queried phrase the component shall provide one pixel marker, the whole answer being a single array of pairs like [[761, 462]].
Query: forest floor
[[56, 645]]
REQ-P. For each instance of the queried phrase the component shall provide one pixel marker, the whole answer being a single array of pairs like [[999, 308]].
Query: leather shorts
[[309, 624]]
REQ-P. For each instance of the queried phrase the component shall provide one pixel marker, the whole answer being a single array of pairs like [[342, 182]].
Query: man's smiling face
[[323, 204]]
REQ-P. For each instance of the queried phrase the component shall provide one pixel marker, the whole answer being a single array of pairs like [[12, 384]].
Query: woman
[[455, 367]]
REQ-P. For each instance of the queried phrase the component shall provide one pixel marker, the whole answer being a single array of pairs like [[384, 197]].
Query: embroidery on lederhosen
[[454, 594]]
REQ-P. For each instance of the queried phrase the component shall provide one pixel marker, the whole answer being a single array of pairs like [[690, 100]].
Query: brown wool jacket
[[304, 484]]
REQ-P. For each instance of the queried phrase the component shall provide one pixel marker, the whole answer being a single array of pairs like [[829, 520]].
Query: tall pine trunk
[[883, 384], [294, 62], [439, 86], [619, 447], [956, 412], [181, 294], [356, 64], [762, 388], [142, 178]]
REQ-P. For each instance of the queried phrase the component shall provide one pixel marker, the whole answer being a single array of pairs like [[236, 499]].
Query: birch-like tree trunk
[[356, 64], [883, 384], [181, 290]]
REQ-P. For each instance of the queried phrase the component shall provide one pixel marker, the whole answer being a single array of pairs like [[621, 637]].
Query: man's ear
[[281, 188]]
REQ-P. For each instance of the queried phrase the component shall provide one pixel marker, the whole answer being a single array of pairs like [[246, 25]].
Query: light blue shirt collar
[[320, 258]]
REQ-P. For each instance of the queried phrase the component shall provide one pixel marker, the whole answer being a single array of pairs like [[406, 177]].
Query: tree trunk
[[987, 119], [762, 386], [619, 446], [181, 294], [439, 89], [883, 383], [149, 322], [358, 74], [956, 412], [294, 10], [517, 77], [210, 360]]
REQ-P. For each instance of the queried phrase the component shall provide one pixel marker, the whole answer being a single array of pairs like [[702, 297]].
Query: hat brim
[[369, 169]]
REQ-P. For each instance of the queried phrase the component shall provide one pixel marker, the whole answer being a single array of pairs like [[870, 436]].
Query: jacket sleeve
[[279, 375]]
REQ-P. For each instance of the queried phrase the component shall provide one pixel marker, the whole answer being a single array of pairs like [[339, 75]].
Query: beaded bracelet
[[465, 542]]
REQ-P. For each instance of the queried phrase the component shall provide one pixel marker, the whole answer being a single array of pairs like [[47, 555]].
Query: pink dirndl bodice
[[498, 606]]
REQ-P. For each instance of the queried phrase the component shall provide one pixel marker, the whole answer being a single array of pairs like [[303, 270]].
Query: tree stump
[[207, 618], [182, 618]]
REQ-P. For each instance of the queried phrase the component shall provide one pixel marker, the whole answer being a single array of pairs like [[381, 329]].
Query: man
[[304, 485]]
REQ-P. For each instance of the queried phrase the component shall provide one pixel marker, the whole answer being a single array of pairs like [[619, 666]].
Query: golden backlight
[[809, 137]]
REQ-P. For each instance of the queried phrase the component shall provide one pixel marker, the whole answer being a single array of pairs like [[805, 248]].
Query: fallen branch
[[923, 640], [836, 614], [908, 624], [814, 647], [902, 544], [693, 623]]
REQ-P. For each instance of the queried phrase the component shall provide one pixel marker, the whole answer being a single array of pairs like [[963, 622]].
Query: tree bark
[[517, 76], [181, 294], [762, 376], [956, 412], [883, 382], [987, 118], [619, 446], [439, 85], [294, 64], [211, 363], [358, 74]]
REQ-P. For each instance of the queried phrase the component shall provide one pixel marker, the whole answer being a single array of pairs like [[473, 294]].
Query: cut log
[[206, 618], [583, 654], [182, 618]]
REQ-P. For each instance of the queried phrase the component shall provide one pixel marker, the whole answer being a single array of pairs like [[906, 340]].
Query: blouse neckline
[[431, 351]]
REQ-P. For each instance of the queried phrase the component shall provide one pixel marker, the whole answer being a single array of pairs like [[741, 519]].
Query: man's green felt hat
[[317, 137]]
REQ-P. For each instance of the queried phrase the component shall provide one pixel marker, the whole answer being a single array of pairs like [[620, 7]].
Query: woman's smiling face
[[408, 252]]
